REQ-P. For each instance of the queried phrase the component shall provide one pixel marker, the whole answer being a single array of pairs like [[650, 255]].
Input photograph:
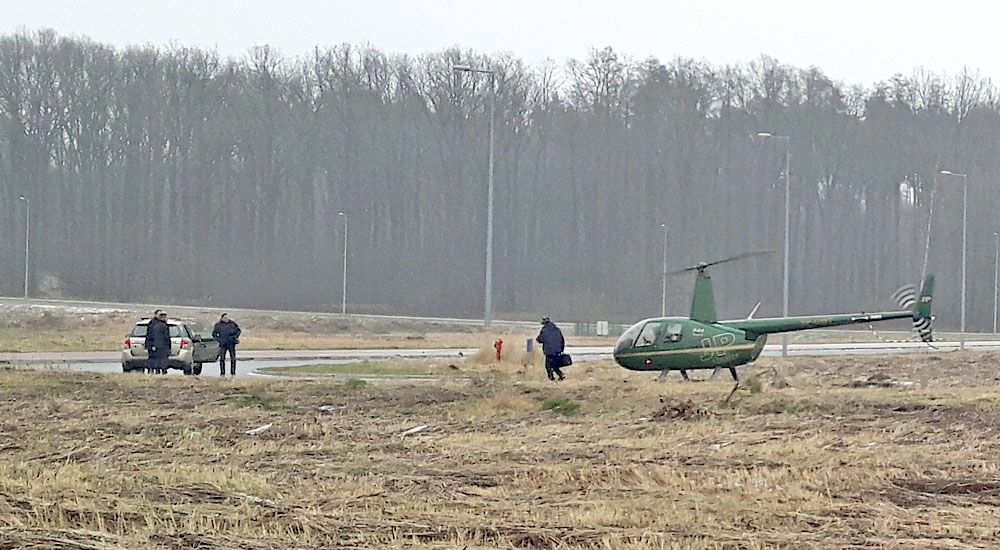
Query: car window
[[176, 331], [200, 331]]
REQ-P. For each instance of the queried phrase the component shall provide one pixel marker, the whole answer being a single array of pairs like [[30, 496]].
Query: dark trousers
[[157, 364], [232, 360], [553, 367]]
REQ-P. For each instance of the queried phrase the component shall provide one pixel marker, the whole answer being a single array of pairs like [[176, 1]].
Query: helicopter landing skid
[[732, 371], [665, 372], [684, 374]]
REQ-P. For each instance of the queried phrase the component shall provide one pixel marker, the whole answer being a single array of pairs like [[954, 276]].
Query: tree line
[[174, 174]]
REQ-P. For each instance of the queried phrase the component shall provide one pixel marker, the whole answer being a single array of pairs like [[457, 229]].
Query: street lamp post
[[488, 298], [663, 302], [343, 289], [965, 208], [784, 278], [996, 276], [27, 240]]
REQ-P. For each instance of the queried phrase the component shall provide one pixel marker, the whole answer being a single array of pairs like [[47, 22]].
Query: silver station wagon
[[191, 344]]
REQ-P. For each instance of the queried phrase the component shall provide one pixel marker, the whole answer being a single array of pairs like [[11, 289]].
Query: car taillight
[[128, 342], [185, 343]]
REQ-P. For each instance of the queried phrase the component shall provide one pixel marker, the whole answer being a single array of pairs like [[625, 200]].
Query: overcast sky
[[852, 41]]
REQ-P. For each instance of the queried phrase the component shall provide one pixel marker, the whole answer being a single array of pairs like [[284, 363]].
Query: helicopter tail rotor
[[906, 297]]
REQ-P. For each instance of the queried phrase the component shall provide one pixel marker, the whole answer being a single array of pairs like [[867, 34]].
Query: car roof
[[145, 321]]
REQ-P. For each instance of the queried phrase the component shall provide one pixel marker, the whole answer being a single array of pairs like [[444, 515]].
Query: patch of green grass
[[782, 405], [561, 404], [257, 398], [754, 384], [355, 383]]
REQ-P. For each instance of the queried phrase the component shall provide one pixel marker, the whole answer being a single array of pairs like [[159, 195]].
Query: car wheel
[[197, 369], [186, 369], [126, 367]]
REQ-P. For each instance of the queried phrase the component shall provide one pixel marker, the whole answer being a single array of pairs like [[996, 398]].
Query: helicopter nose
[[621, 346], [625, 341]]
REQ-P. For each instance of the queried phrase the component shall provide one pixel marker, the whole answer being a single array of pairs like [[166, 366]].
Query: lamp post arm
[[663, 297], [343, 290], [965, 209], [488, 292], [488, 313], [788, 179], [996, 277], [27, 243], [27, 240]]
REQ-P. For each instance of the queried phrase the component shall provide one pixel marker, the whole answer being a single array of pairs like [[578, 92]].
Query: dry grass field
[[886, 452]]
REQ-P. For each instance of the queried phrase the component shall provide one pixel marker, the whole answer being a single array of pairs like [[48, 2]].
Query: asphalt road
[[249, 362]]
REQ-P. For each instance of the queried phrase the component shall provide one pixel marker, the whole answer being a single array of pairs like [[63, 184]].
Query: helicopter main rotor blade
[[742, 256], [702, 266]]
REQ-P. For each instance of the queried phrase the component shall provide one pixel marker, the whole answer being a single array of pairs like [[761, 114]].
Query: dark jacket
[[551, 339], [226, 333], [157, 338]]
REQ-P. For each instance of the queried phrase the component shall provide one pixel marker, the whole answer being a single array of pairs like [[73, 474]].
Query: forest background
[[175, 175]]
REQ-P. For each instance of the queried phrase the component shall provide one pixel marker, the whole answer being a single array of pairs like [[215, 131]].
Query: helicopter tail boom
[[920, 314]]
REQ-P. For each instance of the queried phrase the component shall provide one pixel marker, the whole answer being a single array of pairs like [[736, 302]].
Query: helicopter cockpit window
[[673, 333], [648, 335]]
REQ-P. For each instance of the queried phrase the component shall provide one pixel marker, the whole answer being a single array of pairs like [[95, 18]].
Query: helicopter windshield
[[648, 335], [627, 338]]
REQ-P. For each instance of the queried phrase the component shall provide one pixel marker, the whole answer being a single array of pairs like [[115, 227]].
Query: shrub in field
[[257, 398], [514, 352], [355, 383], [561, 405], [51, 286], [754, 384], [500, 403]]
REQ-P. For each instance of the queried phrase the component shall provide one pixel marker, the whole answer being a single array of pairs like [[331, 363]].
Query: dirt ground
[[852, 452]]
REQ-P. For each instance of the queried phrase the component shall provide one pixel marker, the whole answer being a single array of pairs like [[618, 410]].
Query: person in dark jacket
[[227, 334], [157, 343], [551, 339], [147, 343]]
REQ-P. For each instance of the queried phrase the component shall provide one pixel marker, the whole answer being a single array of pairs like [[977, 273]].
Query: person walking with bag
[[553, 344], [227, 333]]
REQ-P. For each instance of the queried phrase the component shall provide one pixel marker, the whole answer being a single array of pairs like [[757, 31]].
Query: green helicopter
[[701, 341]]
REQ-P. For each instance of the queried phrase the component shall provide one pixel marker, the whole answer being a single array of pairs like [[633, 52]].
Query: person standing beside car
[[227, 333], [157, 343], [553, 344], [147, 343]]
